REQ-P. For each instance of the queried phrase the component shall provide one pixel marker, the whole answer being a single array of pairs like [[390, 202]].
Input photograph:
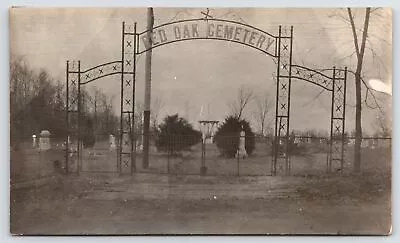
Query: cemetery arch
[[135, 43]]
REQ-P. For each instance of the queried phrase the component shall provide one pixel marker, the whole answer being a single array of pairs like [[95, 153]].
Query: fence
[[187, 155], [28, 163]]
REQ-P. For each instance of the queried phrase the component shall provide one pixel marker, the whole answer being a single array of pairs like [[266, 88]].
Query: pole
[[147, 89], [78, 164], [121, 118], [67, 121], [288, 112], [238, 158], [95, 111], [133, 133], [277, 137], [203, 169], [344, 118], [332, 120]]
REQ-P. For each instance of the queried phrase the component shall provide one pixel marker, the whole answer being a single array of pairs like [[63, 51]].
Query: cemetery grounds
[[43, 200]]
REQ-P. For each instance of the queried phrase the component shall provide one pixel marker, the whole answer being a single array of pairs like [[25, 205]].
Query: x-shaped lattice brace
[[72, 139], [312, 76], [128, 78], [282, 116], [338, 129], [126, 163], [338, 117], [73, 82]]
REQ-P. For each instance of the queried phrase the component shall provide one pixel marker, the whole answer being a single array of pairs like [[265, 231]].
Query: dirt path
[[153, 204]]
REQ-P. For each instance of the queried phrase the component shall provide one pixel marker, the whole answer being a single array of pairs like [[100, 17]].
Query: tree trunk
[[360, 56], [357, 148], [262, 129]]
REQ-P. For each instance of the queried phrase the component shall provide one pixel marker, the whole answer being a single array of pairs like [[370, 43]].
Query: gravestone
[[44, 140], [112, 142], [241, 152], [34, 142], [364, 144]]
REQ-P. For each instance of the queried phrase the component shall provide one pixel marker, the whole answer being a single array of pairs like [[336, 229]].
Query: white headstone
[[72, 147], [212, 136], [364, 144], [371, 144], [112, 142], [44, 140], [139, 148], [241, 152], [34, 143]]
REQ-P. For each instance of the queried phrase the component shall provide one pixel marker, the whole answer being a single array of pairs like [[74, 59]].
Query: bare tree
[[360, 49], [262, 108], [106, 116], [243, 98], [36, 102], [362, 41], [96, 98], [138, 124], [156, 107]]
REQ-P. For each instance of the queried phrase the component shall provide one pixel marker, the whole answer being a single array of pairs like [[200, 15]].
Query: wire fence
[[190, 155]]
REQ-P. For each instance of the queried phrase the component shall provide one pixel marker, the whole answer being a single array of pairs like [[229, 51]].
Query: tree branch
[[353, 28]]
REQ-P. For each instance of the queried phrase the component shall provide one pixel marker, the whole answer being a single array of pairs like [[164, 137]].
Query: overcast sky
[[205, 73]]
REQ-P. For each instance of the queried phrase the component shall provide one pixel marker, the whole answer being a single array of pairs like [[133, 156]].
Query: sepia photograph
[[200, 121]]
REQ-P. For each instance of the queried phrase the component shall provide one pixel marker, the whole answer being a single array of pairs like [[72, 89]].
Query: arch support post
[[126, 162], [73, 109], [338, 114], [281, 145]]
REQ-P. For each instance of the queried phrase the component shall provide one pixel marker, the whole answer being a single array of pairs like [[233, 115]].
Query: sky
[[205, 75]]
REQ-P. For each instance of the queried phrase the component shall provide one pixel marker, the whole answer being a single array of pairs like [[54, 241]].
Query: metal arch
[[313, 76], [75, 78], [211, 38], [282, 49], [312, 82], [273, 52], [101, 71], [207, 20]]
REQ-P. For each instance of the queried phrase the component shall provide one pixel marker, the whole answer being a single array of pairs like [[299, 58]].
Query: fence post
[[169, 142], [203, 158], [238, 158]]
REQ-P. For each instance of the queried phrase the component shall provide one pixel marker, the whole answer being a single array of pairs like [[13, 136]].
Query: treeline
[[37, 102]]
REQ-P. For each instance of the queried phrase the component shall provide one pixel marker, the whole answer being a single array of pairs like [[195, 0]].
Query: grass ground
[[304, 203], [149, 204]]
